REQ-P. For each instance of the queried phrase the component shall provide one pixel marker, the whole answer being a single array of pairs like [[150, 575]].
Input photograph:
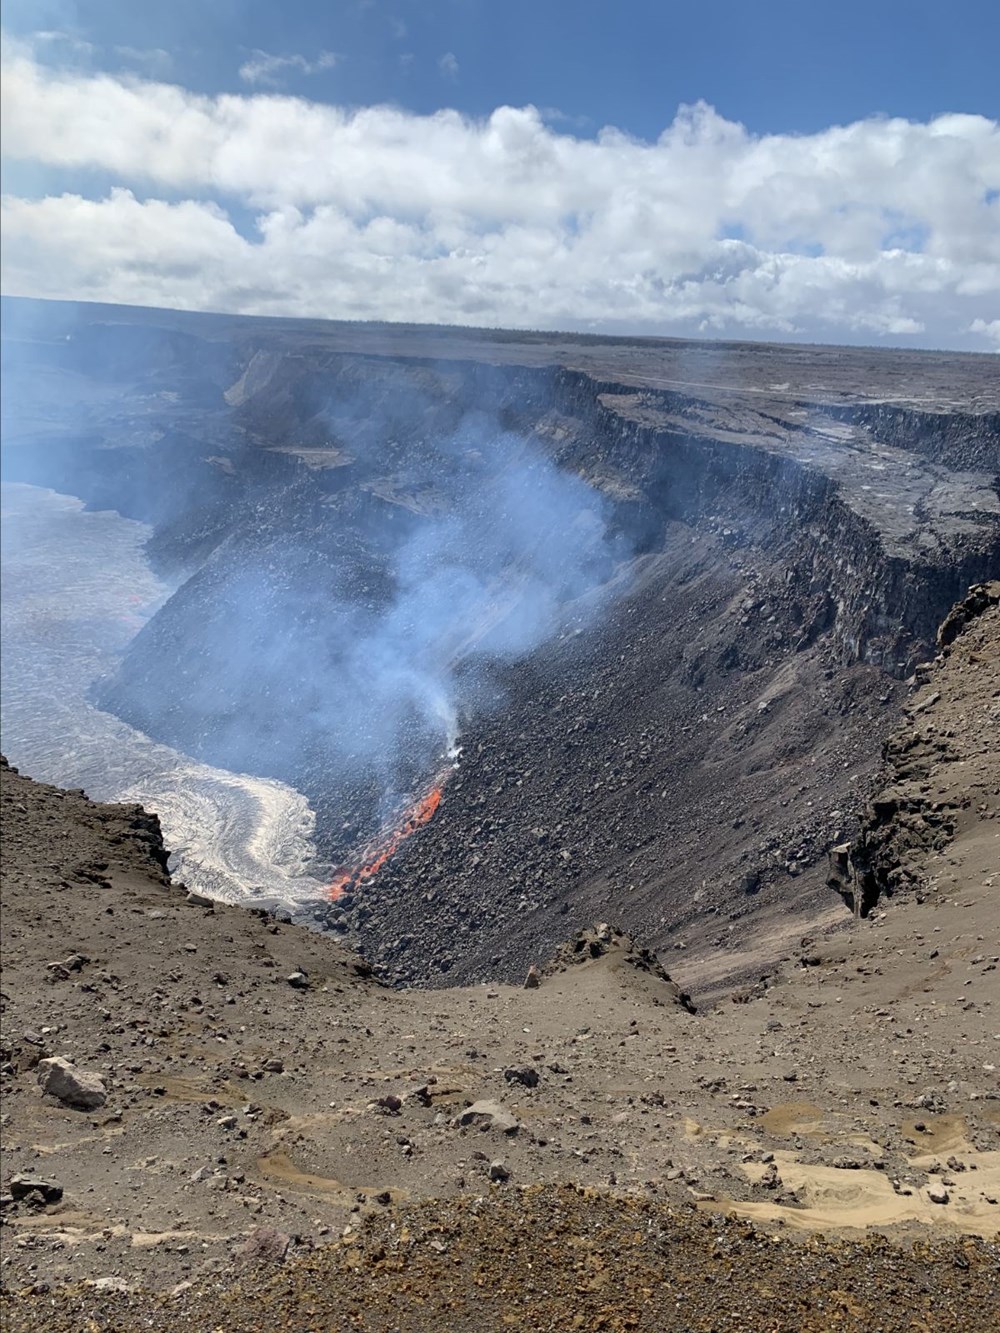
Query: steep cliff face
[[785, 548], [940, 779], [886, 544], [960, 440]]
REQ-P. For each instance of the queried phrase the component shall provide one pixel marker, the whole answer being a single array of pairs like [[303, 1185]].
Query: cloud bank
[[267, 204]]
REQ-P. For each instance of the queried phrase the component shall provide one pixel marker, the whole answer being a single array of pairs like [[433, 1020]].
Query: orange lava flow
[[421, 812]]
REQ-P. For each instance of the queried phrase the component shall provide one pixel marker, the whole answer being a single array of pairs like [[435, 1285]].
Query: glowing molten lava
[[418, 814]]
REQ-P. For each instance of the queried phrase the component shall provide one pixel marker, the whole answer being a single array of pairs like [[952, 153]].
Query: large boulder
[[489, 1115], [60, 1078], [265, 1246], [24, 1184]]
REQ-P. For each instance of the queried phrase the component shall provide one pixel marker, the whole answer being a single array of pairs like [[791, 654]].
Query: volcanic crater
[[662, 705]]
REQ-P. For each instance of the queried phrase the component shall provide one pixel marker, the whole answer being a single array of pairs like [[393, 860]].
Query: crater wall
[[704, 719]]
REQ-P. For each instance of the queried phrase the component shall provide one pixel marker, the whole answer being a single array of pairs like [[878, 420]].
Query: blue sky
[[887, 229], [775, 65]]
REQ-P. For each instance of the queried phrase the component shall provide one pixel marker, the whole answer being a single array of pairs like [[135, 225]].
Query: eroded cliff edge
[[941, 782]]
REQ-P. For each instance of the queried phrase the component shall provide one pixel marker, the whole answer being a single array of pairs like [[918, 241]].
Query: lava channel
[[418, 814]]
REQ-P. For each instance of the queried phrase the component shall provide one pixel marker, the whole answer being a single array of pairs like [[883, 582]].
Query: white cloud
[[448, 65], [66, 47], [989, 328], [881, 229], [267, 69], [152, 60]]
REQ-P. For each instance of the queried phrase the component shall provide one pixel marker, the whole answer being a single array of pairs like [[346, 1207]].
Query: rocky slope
[[282, 1139]]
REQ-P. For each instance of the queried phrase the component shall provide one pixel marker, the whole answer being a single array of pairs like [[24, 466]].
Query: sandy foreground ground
[[275, 1140]]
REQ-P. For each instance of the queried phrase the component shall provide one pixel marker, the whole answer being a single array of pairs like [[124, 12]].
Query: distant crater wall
[[881, 608], [966, 440], [198, 483]]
